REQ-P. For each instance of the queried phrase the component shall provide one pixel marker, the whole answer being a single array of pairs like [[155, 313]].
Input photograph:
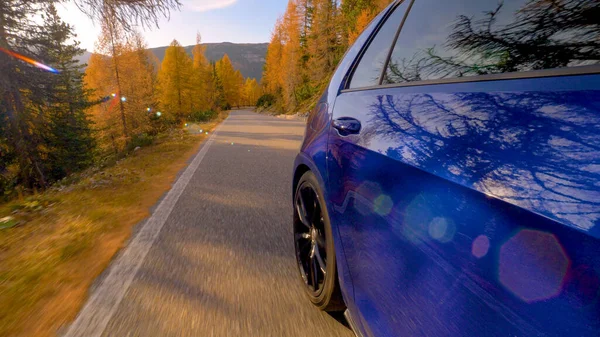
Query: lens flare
[[481, 246], [442, 229], [383, 204], [28, 60], [533, 265]]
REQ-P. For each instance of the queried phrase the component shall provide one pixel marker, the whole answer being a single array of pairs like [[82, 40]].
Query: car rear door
[[465, 182]]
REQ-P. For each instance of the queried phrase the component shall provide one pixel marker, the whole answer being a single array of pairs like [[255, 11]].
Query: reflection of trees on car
[[543, 34], [538, 150]]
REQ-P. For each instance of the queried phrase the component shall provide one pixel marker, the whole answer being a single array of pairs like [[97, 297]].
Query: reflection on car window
[[369, 68], [456, 38]]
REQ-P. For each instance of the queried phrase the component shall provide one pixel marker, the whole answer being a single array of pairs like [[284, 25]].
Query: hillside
[[249, 58]]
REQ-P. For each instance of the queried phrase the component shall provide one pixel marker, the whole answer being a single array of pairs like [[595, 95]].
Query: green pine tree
[[23, 89], [69, 137]]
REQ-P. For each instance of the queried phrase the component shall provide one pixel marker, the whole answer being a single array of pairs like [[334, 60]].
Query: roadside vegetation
[[86, 151], [59, 117], [60, 240], [307, 43]]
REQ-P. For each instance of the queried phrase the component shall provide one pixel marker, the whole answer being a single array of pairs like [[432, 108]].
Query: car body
[[464, 198]]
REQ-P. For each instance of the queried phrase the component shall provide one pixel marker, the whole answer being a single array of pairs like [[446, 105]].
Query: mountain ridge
[[249, 58]]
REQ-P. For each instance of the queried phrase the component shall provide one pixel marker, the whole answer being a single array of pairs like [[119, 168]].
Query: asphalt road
[[221, 262]]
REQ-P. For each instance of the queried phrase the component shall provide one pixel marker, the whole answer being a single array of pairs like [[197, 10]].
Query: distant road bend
[[216, 257]]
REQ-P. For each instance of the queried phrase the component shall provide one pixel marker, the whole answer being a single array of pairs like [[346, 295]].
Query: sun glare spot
[[383, 205], [441, 229], [366, 196], [481, 246], [533, 265]]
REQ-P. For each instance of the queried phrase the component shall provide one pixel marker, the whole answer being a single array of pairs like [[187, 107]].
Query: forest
[[306, 45], [58, 117]]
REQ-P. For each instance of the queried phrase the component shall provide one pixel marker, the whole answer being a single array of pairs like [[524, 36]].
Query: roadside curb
[[106, 297]]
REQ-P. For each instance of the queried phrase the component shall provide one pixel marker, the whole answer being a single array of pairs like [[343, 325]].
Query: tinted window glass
[[455, 38], [368, 70]]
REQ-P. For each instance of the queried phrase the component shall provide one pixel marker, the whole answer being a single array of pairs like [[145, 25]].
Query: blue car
[[449, 179]]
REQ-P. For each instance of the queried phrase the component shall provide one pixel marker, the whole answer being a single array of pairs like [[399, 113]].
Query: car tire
[[313, 242]]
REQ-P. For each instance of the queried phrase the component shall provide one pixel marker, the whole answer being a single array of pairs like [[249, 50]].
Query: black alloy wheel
[[315, 253]]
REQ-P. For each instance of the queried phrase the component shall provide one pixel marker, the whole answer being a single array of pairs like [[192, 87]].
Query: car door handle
[[347, 125]]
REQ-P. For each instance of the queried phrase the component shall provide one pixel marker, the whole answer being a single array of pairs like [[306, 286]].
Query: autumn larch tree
[[229, 81], [107, 123], [138, 82], [174, 82], [291, 55], [358, 13], [203, 86], [273, 70], [251, 92], [112, 43]]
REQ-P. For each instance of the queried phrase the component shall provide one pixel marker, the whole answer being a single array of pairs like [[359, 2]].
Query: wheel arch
[[299, 172], [303, 164]]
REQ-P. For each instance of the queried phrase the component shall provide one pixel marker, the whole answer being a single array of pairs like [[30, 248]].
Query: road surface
[[216, 258]]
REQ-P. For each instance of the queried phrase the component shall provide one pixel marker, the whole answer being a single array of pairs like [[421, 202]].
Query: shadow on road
[[223, 264]]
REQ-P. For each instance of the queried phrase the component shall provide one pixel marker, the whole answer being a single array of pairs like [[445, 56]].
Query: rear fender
[[302, 164]]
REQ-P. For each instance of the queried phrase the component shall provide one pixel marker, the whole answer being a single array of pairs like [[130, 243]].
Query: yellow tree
[[106, 116], [290, 55], [255, 92], [251, 92], [138, 81], [174, 82], [358, 13], [128, 96], [362, 21], [229, 80], [239, 82], [203, 85], [307, 43], [112, 43], [274, 72]]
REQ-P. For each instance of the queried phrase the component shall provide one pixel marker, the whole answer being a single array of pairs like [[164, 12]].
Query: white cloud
[[206, 5]]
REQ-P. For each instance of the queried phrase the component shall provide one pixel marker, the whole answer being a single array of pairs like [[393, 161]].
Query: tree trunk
[[120, 93], [179, 85]]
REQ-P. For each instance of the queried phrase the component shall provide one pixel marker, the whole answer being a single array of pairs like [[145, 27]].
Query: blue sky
[[216, 20]]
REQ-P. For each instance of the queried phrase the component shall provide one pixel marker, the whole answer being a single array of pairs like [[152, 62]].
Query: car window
[[456, 38], [368, 70]]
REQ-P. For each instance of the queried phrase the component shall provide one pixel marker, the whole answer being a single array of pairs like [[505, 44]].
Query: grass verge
[[56, 243]]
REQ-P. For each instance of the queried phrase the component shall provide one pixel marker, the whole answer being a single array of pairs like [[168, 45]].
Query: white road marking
[[102, 304]]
